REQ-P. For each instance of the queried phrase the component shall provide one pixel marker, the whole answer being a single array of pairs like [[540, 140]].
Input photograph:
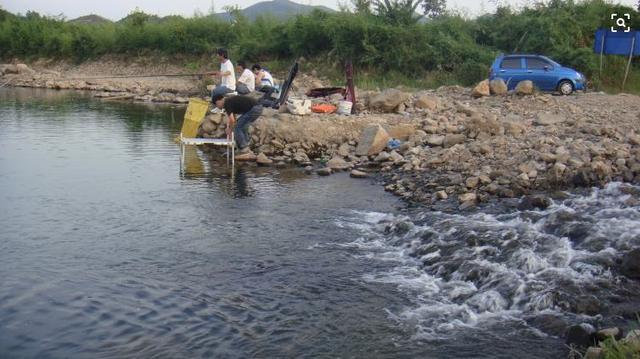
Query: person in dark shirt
[[249, 110]]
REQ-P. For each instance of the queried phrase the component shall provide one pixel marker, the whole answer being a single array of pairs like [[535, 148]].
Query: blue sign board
[[616, 43]]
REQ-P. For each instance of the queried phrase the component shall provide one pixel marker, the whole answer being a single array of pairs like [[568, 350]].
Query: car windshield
[[555, 64]]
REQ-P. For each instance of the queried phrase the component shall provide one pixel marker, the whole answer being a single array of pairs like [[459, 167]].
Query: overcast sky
[[117, 9]]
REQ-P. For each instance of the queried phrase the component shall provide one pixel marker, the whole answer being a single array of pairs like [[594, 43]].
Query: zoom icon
[[622, 22]]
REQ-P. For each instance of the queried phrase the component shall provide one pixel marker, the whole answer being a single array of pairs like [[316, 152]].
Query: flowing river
[[108, 250]]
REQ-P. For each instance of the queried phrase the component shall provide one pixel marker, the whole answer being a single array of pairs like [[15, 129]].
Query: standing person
[[226, 74], [247, 81], [264, 80], [249, 110]]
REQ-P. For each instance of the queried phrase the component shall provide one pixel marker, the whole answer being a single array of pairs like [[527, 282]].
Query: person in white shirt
[[226, 74], [264, 80], [247, 81]]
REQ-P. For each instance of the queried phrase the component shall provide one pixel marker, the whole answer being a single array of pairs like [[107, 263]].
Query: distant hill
[[279, 9], [4, 14], [90, 19]]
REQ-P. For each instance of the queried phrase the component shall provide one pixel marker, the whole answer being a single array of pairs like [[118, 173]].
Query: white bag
[[299, 107]]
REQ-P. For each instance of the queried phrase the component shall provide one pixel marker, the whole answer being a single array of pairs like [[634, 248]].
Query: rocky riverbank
[[454, 144]]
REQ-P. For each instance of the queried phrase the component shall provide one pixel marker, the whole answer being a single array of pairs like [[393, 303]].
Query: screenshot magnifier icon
[[621, 22]]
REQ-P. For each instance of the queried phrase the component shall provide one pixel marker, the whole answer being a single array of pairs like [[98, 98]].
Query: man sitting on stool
[[249, 110]]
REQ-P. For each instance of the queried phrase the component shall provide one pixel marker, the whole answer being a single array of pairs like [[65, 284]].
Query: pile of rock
[[585, 338], [499, 87]]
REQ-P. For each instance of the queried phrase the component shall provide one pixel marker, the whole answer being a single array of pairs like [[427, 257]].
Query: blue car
[[546, 74]]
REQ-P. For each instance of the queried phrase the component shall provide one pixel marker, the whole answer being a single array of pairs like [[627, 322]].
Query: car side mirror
[[547, 68]]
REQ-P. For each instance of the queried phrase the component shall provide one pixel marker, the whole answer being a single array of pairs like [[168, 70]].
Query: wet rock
[[482, 89], [442, 195], [301, 158], [472, 182], [359, 174], [581, 335], [498, 87], [548, 119], [344, 150], [594, 353], [338, 164], [467, 197], [550, 324], [452, 140], [388, 100], [263, 160], [524, 88], [631, 264], [528, 203], [633, 338], [308, 170], [373, 140], [604, 334], [325, 171], [589, 305]]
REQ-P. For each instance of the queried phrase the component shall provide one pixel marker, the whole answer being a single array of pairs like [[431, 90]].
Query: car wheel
[[565, 88]]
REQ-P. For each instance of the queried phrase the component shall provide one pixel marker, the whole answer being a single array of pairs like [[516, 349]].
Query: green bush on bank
[[455, 47]]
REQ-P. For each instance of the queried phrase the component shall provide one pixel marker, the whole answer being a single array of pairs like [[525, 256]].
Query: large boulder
[[427, 102], [524, 88], [482, 89], [401, 132], [24, 69], [631, 264], [388, 100], [498, 87], [373, 140], [10, 69]]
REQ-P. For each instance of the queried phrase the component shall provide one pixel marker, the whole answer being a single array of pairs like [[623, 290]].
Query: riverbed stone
[[338, 164], [615, 333], [263, 160], [359, 174], [454, 139], [580, 335], [373, 140], [594, 353], [325, 171], [631, 264], [528, 203]]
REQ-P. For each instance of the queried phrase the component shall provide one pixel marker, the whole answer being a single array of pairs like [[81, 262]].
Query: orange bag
[[323, 108]]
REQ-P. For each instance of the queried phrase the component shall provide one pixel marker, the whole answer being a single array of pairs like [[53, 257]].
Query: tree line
[[410, 37]]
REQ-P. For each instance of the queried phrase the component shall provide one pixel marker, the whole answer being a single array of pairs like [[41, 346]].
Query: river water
[[107, 250]]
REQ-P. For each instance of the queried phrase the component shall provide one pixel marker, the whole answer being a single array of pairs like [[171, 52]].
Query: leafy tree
[[434, 8], [138, 18], [362, 6], [398, 12]]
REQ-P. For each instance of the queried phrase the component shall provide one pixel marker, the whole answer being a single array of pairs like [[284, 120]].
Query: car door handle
[[502, 70], [529, 72]]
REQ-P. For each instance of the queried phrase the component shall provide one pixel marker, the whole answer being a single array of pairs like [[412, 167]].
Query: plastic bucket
[[344, 107]]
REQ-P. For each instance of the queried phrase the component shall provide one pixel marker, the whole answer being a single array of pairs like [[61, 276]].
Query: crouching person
[[248, 110]]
